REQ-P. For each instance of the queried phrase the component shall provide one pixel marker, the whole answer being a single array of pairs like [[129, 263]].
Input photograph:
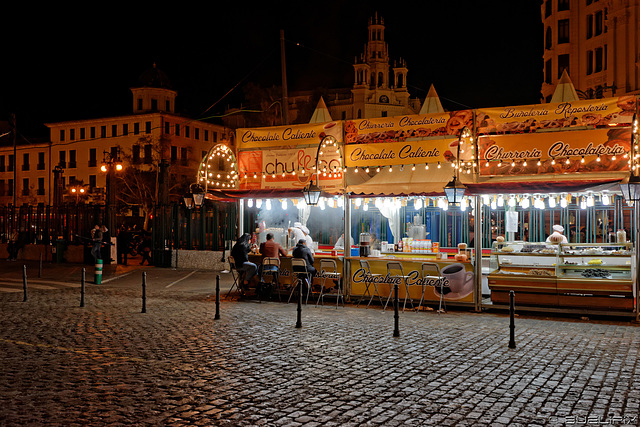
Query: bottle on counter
[[621, 236]]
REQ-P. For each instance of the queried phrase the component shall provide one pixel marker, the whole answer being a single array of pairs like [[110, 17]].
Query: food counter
[[576, 275]]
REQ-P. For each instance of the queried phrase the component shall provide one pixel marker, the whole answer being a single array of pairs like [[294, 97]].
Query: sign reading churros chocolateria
[[597, 150]]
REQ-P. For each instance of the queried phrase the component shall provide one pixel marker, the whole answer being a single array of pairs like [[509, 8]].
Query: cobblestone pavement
[[109, 363]]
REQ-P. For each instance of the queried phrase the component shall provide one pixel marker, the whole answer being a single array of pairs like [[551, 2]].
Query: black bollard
[[512, 326], [24, 283], [144, 291], [299, 321], [217, 316], [396, 315], [82, 288]]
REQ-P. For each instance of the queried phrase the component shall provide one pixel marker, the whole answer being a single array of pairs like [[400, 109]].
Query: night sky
[[476, 54]]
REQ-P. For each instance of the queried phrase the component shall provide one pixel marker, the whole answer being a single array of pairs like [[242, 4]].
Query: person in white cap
[[557, 231], [307, 238], [296, 233]]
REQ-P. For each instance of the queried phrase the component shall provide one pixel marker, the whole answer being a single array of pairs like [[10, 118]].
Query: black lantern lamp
[[311, 193], [454, 191], [195, 197]]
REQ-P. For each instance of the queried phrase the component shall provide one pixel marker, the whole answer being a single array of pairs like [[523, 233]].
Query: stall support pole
[[241, 217], [477, 251], [636, 211], [346, 265], [512, 324]]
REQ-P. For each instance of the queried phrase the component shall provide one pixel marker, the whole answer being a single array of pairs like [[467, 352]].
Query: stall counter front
[[454, 280]]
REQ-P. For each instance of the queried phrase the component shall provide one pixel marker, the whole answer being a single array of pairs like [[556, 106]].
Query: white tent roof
[[565, 91], [431, 103], [321, 113]]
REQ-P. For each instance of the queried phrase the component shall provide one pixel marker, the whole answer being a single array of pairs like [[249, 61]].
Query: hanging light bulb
[[590, 200], [512, 202], [365, 207], [552, 202], [553, 161], [439, 165], [390, 168], [500, 201], [356, 169], [525, 203], [583, 203], [485, 199], [605, 199], [417, 203], [258, 203], [567, 161], [494, 205], [563, 202], [367, 169], [358, 202], [284, 204], [378, 169], [268, 204], [426, 166], [539, 162], [413, 167], [250, 203]]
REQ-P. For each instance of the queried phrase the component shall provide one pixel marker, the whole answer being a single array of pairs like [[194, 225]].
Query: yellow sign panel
[[287, 136], [401, 153]]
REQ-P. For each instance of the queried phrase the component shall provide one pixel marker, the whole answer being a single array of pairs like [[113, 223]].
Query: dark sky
[[59, 66]]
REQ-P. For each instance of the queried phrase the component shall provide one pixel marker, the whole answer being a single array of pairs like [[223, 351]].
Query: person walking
[[124, 240]]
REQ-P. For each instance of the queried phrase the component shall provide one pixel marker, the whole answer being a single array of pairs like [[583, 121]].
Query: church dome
[[154, 77]]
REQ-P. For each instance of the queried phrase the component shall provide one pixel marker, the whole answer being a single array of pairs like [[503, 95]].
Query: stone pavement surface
[[108, 363]]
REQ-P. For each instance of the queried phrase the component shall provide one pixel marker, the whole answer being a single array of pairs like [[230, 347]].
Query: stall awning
[[276, 193], [404, 182], [547, 183]]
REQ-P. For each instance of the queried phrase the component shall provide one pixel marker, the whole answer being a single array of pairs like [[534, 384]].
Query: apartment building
[[78, 148], [596, 41]]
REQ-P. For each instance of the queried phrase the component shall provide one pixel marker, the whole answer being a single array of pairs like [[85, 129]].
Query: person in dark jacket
[[240, 254], [302, 251]]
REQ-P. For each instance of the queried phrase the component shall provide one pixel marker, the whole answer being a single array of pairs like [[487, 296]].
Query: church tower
[[380, 90]]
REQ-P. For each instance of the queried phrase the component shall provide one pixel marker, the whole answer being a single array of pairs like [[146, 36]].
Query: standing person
[[307, 238], [146, 247], [12, 247], [240, 254], [96, 237], [270, 249], [124, 240], [557, 233]]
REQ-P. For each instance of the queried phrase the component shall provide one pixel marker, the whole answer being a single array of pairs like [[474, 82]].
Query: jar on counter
[[621, 236]]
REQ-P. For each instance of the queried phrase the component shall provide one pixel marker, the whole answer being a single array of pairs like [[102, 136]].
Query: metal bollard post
[[97, 277], [217, 316], [512, 326], [144, 291], [299, 321], [396, 315], [24, 283], [82, 288]]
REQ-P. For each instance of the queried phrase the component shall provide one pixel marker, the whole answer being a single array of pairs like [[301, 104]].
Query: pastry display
[[596, 273]]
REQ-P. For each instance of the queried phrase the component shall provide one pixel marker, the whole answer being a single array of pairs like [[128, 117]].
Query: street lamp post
[[454, 190], [312, 191], [77, 191], [110, 164]]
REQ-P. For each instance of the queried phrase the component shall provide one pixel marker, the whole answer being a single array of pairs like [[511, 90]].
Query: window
[[136, 128], [10, 187], [548, 40], [114, 130], [83, 133], [563, 31], [177, 129], [174, 154], [598, 23], [206, 135], [187, 130], [547, 72], [384, 114], [563, 64], [184, 156], [196, 133], [40, 186], [589, 26], [598, 56], [11, 163], [25, 161], [589, 62], [147, 127], [135, 152], [93, 132], [92, 157], [167, 128], [125, 129], [62, 155], [25, 186], [215, 136], [563, 5], [92, 182], [167, 105], [103, 131], [61, 134], [3, 189], [139, 104], [72, 134], [2, 164], [547, 8], [72, 158], [605, 57], [40, 165], [148, 158], [154, 104]]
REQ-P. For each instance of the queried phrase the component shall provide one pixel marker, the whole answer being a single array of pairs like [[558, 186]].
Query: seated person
[[339, 243], [240, 253], [302, 251], [270, 249]]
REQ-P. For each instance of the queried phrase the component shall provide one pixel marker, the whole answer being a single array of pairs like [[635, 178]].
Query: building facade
[[77, 149], [596, 41]]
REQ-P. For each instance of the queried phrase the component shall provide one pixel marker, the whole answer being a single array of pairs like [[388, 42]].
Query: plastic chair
[[236, 277], [365, 266], [428, 269], [300, 275], [394, 270], [329, 270], [274, 273]]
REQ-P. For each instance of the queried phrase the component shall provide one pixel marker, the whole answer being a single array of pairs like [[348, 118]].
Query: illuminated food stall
[[559, 165]]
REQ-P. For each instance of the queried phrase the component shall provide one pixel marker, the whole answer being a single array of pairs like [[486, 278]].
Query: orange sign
[[595, 150]]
